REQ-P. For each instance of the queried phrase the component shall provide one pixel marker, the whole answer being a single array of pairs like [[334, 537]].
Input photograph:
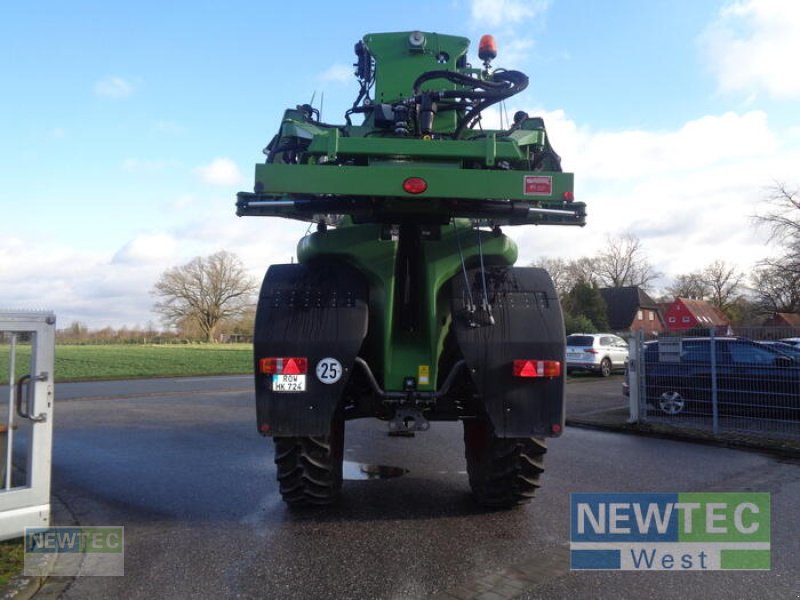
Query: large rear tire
[[502, 472], [310, 468]]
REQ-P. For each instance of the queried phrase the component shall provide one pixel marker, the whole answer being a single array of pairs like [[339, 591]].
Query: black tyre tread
[[503, 472], [309, 470]]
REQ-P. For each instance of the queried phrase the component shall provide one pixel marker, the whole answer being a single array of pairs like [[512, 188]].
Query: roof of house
[[623, 303], [791, 319], [703, 312]]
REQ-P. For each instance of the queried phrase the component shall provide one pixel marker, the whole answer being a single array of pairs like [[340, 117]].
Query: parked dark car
[[786, 348], [748, 378], [794, 341]]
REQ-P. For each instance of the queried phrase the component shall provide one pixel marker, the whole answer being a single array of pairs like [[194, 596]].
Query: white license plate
[[288, 383], [573, 355]]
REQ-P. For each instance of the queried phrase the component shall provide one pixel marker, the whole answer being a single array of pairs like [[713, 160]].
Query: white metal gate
[[28, 349]]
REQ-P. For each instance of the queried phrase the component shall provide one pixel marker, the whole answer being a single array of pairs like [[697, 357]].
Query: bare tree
[[776, 282], [724, 283], [782, 218], [776, 290], [624, 263], [204, 291], [719, 283], [567, 274], [558, 269], [582, 270], [689, 285]]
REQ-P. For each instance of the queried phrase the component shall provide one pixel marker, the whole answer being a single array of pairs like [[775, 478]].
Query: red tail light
[[569, 196], [283, 366], [537, 368], [591, 351], [415, 185]]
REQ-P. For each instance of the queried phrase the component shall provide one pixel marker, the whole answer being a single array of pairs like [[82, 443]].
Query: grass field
[[11, 559], [85, 363]]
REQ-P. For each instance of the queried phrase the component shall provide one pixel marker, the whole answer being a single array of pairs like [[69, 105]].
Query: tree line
[[213, 298], [746, 299]]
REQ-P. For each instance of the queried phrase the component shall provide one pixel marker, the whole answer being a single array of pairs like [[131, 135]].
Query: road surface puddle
[[353, 471]]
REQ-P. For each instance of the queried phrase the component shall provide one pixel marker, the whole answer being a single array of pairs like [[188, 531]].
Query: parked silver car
[[600, 353]]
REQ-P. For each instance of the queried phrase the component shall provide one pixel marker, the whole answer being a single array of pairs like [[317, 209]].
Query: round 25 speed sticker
[[329, 370]]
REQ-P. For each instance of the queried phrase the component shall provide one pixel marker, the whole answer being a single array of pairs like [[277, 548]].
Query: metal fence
[[718, 383]]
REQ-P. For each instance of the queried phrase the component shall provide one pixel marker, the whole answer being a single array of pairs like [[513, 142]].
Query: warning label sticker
[[424, 374], [538, 185]]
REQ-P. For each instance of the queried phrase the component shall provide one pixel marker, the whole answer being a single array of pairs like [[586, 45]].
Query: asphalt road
[[180, 465]]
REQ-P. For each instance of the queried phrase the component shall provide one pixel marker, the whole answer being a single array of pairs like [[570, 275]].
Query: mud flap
[[528, 324], [318, 312]]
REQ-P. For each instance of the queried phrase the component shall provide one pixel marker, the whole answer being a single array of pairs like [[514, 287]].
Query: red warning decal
[[538, 185]]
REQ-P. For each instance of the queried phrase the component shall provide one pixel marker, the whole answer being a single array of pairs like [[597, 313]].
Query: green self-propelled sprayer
[[404, 304]]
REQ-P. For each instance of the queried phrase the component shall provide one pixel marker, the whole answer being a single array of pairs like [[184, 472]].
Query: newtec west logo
[[74, 551], [82, 540], [670, 532]]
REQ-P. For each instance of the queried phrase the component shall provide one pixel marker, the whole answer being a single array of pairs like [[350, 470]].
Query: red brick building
[[685, 313]]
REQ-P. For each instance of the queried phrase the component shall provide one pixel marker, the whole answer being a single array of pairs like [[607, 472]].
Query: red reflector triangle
[[290, 367], [528, 369]]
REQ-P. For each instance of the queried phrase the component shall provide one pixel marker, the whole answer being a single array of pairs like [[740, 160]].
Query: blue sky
[[127, 128]]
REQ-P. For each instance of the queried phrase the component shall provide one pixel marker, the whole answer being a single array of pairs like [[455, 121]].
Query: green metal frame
[[387, 181]]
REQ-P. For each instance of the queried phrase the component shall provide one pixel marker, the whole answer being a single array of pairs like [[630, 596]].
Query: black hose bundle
[[482, 93]]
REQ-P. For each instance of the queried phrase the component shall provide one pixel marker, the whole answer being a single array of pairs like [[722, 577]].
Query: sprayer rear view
[[405, 305]]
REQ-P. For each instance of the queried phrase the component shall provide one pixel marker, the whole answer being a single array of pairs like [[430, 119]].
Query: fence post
[[634, 352], [714, 399]]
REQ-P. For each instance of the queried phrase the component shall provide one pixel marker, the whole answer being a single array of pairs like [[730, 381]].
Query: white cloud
[[10, 249], [76, 285], [113, 87], [496, 13], [753, 46], [699, 144], [688, 193], [146, 249], [220, 171], [338, 73], [514, 51]]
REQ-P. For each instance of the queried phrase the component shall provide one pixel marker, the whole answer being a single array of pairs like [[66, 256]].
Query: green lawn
[[84, 363], [11, 559]]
